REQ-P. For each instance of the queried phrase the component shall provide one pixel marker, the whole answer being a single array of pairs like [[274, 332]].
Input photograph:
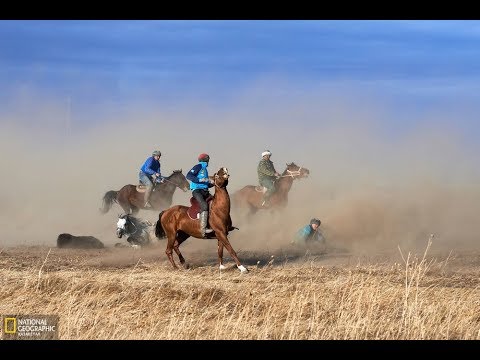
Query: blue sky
[[409, 64]]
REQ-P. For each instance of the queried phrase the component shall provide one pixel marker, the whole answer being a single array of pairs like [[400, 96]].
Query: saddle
[[142, 188], [194, 210], [261, 189]]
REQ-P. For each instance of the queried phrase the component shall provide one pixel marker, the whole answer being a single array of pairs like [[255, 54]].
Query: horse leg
[[176, 244], [169, 250], [220, 255], [224, 240], [126, 209], [122, 200], [133, 242], [179, 240]]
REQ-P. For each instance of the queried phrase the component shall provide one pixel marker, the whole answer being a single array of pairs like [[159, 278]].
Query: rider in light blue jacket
[[309, 234], [200, 183]]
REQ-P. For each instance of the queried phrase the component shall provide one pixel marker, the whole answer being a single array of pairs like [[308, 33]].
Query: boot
[[203, 223], [265, 199], [148, 192]]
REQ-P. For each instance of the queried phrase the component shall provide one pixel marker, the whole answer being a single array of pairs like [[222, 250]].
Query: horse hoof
[[222, 267]]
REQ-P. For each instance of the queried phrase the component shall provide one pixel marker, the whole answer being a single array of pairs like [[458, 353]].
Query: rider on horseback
[[150, 174], [267, 176], [199, 183]]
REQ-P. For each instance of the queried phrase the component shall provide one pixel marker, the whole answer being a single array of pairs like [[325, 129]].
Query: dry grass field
[[121, 293]]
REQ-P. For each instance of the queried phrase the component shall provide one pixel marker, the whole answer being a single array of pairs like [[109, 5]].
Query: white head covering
[[266, 152]]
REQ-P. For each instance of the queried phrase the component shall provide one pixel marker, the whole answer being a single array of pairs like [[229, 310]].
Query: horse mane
[[176, 172], [138, 223], [288, 166], [133, 219]]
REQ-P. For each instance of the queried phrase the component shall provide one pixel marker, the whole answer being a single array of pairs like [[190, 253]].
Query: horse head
[[221, 177], [122, 225], [127, 224], [295, 171], [179, 180]]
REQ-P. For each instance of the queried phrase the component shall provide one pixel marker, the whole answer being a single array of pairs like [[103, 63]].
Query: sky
[[384, 114], [411, 65]]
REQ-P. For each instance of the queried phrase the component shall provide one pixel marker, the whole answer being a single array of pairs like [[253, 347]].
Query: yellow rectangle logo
[[10, 325]]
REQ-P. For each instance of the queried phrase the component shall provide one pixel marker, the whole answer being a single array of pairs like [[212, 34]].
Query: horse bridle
[[293, 173], [215, 180]]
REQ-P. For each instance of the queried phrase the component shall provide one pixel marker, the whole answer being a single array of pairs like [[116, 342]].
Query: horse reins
[[165, 179]]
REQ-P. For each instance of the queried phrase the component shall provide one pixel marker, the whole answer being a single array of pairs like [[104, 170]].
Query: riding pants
[[201, 195], [145, 179], [269, 184]]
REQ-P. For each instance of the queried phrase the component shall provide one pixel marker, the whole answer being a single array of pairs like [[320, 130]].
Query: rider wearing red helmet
[[200, 183]]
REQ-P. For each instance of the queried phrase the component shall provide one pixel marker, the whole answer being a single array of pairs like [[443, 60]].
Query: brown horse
[[131, 200], [178, 226], [250, 196]]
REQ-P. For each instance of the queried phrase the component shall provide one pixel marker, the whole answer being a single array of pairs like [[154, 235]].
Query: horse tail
[[108, 199], [159, 231]]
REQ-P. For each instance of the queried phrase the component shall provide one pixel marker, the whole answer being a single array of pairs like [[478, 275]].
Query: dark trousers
[[201, 195]]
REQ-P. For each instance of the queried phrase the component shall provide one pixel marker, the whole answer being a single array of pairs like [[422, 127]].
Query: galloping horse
[[137, 231], [131, 197], [176, 224], [250, 196]]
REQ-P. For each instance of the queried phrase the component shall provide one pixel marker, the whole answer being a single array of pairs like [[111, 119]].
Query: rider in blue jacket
[[309, 234], [200, 183], [149, 174]]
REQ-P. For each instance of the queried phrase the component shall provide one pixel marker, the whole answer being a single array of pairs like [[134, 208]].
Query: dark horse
[[132, 200], [178, 226], [78, 242], [137, 231], [250, 196]]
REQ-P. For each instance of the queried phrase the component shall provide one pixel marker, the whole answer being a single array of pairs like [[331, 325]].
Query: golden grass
[[414, 300]]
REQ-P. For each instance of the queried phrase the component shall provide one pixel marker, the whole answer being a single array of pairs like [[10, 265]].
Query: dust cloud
[[375, 184]]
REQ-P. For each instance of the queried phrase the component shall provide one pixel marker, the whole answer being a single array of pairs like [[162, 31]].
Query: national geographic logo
[[30, 327]]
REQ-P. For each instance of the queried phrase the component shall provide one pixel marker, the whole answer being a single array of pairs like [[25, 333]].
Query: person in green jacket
[[267, 176]]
